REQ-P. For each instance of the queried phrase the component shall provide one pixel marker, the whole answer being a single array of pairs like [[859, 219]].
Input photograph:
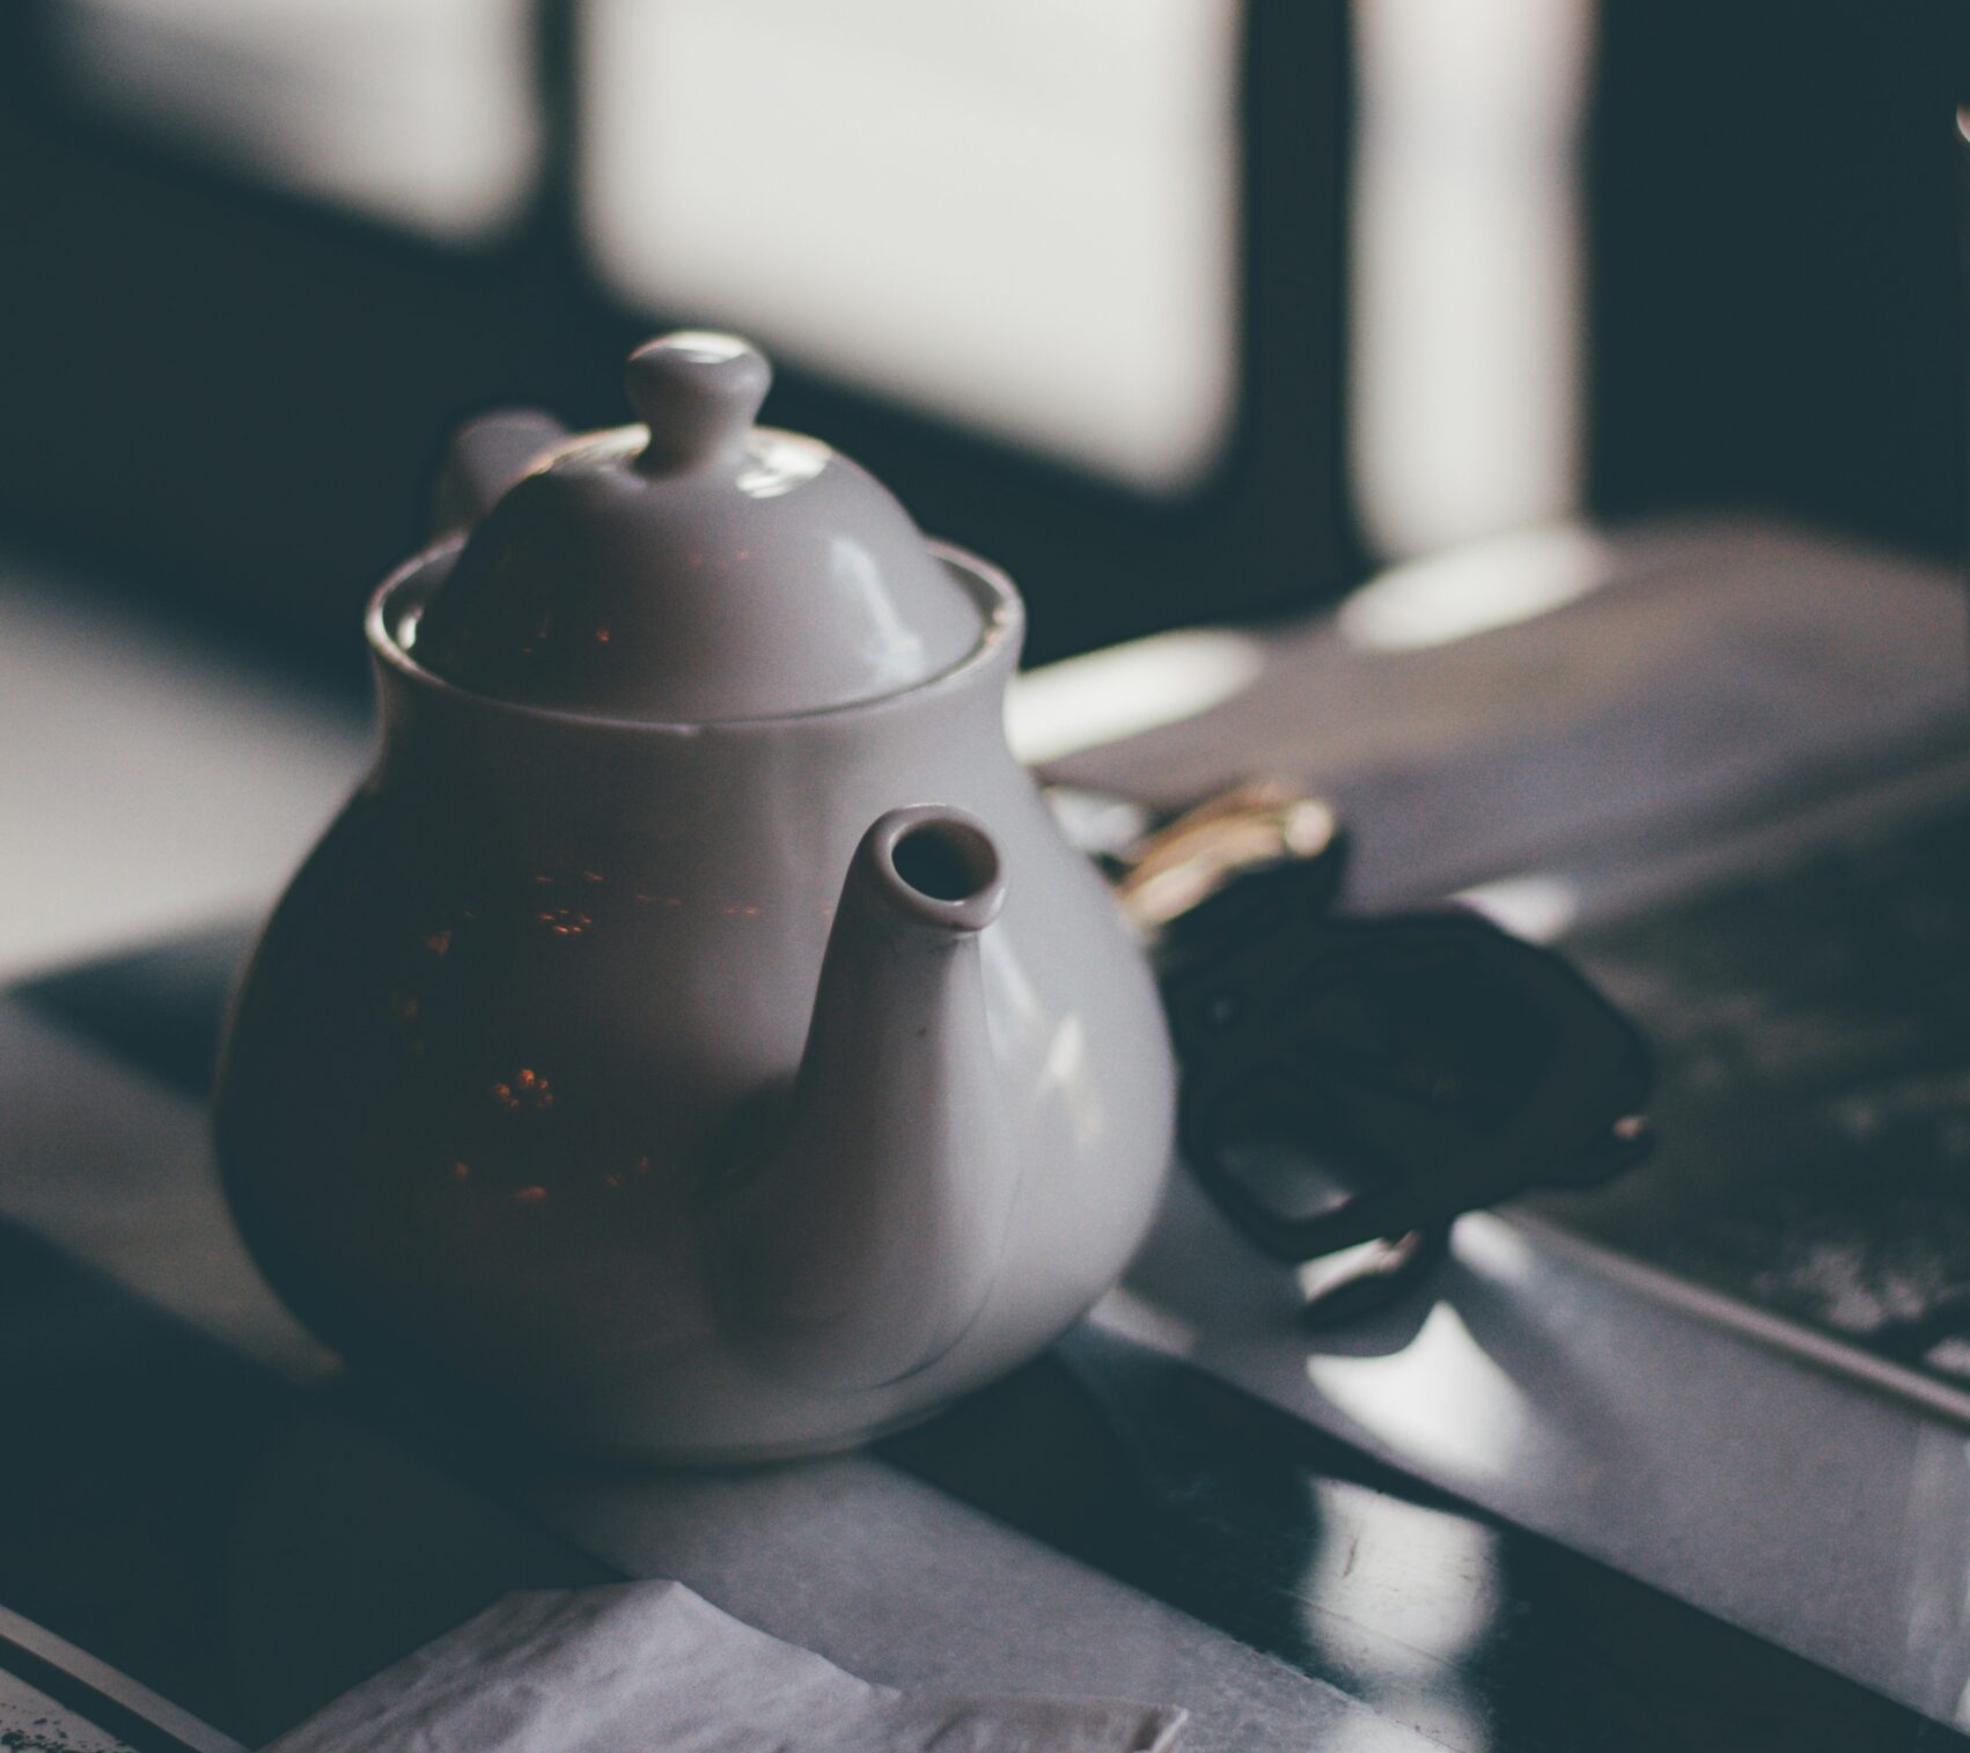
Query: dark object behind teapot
[[1355, 1080]]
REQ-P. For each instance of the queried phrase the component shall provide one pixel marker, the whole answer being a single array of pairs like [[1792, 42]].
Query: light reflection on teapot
[[694, 1035]]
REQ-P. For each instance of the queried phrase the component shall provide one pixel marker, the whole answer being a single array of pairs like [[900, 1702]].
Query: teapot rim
[[1002, 627]]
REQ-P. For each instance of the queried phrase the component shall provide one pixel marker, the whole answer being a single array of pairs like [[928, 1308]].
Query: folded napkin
[[652, 1668]]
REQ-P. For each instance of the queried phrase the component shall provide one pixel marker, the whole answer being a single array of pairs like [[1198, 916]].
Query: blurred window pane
[[1019, 215], [1467, 267], [420, 112]]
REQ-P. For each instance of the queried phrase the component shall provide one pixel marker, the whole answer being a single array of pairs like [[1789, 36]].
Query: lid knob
[[698, 392]]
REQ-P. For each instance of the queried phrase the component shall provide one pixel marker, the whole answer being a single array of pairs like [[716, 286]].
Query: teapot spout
[[870, 1235]]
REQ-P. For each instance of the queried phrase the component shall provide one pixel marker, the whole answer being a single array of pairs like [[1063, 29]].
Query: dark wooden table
[[191, 1496]]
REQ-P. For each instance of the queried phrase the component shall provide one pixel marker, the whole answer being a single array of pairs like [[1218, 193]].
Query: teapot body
[[547, 979]]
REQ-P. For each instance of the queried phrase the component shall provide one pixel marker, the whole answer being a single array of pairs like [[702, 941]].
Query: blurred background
[[1183, 310], [1179, 307]]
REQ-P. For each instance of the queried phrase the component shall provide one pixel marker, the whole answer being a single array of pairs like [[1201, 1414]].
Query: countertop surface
[[197, 1496]]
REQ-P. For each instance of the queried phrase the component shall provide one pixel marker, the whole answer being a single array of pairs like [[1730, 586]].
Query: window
[[420, 112], [1019, 217]]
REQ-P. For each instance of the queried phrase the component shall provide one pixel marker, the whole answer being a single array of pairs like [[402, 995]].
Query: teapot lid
[[696, 567]]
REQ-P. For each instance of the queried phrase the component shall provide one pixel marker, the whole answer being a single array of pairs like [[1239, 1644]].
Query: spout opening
[[939, 864], [948, 861]]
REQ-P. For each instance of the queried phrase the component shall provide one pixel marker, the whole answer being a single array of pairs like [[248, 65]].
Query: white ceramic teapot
[[694, 1035]]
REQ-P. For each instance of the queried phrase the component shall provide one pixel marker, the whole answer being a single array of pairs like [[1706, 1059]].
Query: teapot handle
[[485, 457]]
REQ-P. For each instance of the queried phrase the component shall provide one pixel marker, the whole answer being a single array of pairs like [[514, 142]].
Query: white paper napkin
[[652, 1668]]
